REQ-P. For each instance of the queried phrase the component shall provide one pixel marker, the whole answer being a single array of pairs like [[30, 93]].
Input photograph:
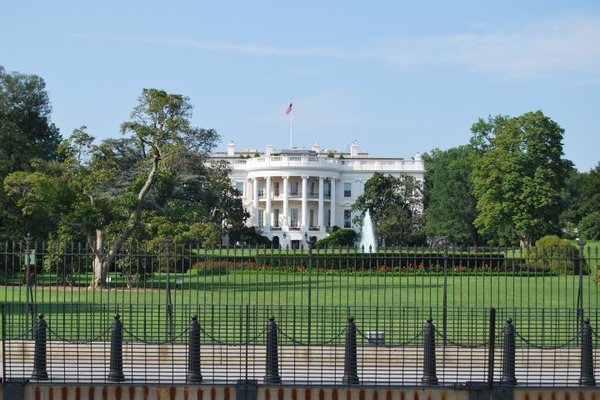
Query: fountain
[[367, 235]]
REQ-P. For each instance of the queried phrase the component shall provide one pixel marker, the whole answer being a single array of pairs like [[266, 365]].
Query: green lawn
[[233, 304]]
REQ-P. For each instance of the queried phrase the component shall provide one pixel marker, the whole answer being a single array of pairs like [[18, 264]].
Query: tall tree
[[451, 206], [27, 137], [519, 179], [120, 183], [395, 205]]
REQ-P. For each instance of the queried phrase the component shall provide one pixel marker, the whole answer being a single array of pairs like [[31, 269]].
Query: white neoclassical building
[[294, 194]]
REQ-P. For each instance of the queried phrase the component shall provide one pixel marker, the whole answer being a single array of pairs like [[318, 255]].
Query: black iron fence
[[401, 316]]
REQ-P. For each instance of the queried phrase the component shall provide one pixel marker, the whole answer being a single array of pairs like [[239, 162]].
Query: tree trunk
[[102, 258], [101, 262], [525, 242]]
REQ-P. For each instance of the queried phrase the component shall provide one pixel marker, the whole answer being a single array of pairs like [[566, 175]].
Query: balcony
[[294, 195]]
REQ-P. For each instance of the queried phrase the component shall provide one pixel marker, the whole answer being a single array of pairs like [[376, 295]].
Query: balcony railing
[[329, 163], [295, 195]]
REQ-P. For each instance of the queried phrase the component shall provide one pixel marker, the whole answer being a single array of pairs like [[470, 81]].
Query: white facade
[[294, 194]]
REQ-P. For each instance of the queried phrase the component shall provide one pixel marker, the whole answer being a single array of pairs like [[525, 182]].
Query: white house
[[294, 194]]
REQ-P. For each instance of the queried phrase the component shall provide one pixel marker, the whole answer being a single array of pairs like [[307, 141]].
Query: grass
[[233, 304]]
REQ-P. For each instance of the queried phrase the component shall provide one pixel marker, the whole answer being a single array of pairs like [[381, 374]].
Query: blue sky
[[399, 77]]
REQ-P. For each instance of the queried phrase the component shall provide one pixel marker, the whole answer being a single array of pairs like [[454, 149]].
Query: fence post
[[587, 356], [445, 299], [350, 357], [508, 355], [429, 368], [491, 347], [39, 355], [169, 304], [272, 367], [193, 373], [115, 374]]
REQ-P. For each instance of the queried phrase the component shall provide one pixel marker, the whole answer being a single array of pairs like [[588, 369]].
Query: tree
[[27, 139], [589, 201], [154, 179], [395, 205], [519, 178], [451, 205]]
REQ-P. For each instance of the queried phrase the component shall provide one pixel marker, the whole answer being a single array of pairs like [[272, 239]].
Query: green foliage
[[340, 237], [28, 141], [247, 235], [451, 205], [395, 207], [589, 201], [554, 254], [519, 179], [589, 226], [66, 258], [136, 269]]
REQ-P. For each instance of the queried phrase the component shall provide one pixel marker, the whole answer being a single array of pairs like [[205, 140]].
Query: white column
[[286, 205], [320, 211], [332, 202], [268, 205], [255, 201], [304, 202]]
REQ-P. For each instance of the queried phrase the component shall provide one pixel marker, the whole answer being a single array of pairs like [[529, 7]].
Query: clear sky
[[400, 77]]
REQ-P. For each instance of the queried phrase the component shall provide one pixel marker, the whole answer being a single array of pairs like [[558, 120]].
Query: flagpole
[[291, 127]]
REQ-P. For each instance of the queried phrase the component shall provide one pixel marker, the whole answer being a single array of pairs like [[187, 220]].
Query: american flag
[[288, 109]]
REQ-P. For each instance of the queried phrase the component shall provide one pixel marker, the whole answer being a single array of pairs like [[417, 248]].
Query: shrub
[[341, 237], [136, 269], [554, 254]]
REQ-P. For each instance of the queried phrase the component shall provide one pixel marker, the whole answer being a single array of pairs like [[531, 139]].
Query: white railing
[[317, 162]]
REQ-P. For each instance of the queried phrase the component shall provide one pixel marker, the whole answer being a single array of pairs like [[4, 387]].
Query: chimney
[[316, 147], [230, 149], [269, 150], [354, 149]]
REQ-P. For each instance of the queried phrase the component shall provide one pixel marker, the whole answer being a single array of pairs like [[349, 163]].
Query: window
[[276, 189], [294, 189], [239, 186], [328, 218], [311, 217], [293, 218], [328, 190], [261, 217], [347, 189], [312, 190], [276, 218], [261, 190], [347, 219]]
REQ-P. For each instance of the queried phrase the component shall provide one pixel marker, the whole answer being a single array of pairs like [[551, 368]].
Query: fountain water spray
[[367, 235]]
